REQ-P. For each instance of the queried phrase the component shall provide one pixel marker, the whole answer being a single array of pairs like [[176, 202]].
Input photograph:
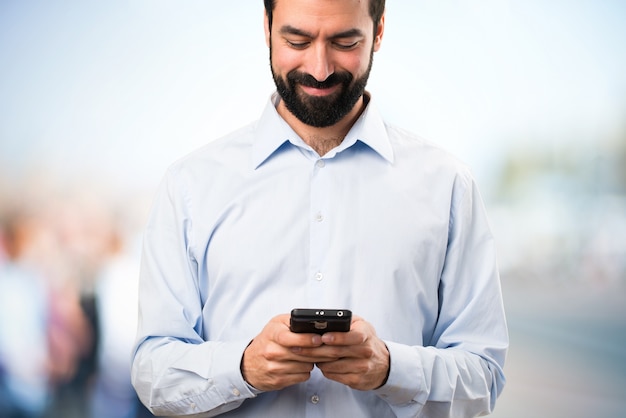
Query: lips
[[310, 85], [317, 91]]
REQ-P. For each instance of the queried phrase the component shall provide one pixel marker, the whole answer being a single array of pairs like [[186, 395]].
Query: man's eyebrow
[[290, 30], [350, 33]]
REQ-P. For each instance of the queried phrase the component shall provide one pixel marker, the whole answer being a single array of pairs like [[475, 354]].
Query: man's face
[[321, 55]]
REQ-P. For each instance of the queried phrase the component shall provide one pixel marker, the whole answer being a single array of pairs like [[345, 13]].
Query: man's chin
[[320, 101]]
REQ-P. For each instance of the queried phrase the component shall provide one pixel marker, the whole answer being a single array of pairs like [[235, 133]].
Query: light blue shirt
[[256, 223]]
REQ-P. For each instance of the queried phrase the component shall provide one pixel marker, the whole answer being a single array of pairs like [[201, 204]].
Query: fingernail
[[327, 338], [317, 340]]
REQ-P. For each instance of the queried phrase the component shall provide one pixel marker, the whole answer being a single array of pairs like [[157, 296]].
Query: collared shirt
[[257, 223]]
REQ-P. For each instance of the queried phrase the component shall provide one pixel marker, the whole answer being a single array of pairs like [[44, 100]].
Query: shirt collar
[[370, 129], [273, 132]]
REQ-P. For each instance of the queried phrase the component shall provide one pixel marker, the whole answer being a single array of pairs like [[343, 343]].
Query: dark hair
[[377, 8]]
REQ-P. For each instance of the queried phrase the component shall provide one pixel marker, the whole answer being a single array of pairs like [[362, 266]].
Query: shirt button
[[319, 217], [315, 399], [320, 164], [319, 277], [236, 392]]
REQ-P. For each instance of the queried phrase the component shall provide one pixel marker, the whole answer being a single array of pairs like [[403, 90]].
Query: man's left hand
[[362, 358]]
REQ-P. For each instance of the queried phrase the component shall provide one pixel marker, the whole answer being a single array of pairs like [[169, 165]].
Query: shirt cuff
[[206, 378], [404, 384], [227, 368]]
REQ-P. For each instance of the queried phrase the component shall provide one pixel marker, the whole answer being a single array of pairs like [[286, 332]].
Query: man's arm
[[174, 371], [459, 372]]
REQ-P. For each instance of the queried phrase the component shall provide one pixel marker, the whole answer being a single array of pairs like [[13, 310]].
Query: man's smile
[[314, 91]]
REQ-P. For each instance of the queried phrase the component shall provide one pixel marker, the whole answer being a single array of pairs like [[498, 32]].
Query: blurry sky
[[119, 89]]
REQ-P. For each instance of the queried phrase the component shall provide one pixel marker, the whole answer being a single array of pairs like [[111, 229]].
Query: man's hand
[[362, 359], [273, 361]]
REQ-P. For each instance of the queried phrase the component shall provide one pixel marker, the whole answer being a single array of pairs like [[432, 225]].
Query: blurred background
[[98, 98]]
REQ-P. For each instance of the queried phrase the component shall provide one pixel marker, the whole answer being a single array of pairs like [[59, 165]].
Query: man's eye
[[346, 46], [298, 44]]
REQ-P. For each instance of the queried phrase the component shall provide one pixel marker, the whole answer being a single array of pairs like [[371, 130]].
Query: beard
[[321, 111]]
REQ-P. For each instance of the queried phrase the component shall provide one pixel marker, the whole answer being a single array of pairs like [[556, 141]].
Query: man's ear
[[380, 30], [266, 24]]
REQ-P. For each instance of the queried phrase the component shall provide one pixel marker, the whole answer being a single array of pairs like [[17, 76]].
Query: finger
[[280, 375], [323, 353], [360, 332], [352, 338], [355, 374], [293, 340]]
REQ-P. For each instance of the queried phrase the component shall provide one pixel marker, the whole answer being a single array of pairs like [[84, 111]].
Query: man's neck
[[322, 140]]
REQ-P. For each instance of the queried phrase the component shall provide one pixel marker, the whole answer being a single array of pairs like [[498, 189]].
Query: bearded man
[[320, 204]]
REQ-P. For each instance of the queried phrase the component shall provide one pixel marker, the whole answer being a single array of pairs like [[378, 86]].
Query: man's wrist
[[388, 368]]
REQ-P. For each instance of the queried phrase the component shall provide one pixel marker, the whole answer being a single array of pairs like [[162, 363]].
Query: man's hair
[[377, 8]]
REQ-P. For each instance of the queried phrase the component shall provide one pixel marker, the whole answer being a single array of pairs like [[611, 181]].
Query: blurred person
[[320, 204], [70, 255], [24, 316], [71, 343], [116, 302], [31, 298]]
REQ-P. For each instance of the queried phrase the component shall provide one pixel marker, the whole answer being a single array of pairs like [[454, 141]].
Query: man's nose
[[321, 66]]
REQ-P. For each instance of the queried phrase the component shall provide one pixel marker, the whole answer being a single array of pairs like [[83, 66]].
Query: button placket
[[319, 228], [314, 393]]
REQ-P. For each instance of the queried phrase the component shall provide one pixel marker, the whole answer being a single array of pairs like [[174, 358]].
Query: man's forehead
[[330, 16]]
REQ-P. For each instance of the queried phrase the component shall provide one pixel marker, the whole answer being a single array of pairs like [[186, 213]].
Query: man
[[320, 204]]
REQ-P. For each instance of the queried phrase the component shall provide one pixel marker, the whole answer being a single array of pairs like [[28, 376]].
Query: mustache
[[308, 80]]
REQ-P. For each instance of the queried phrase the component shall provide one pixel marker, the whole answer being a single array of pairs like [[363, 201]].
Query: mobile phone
[[320, 321]]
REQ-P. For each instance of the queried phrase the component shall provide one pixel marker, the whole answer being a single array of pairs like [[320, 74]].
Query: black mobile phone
[[319, 321]]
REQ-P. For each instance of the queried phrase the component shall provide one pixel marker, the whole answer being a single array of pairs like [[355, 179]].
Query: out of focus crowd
[[68, 290]]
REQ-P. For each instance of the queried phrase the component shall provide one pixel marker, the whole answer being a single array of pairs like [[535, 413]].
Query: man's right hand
[[271, 361]]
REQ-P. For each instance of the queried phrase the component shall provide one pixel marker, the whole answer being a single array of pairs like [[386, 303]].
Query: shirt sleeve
[[174, 371], [460, 373]]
